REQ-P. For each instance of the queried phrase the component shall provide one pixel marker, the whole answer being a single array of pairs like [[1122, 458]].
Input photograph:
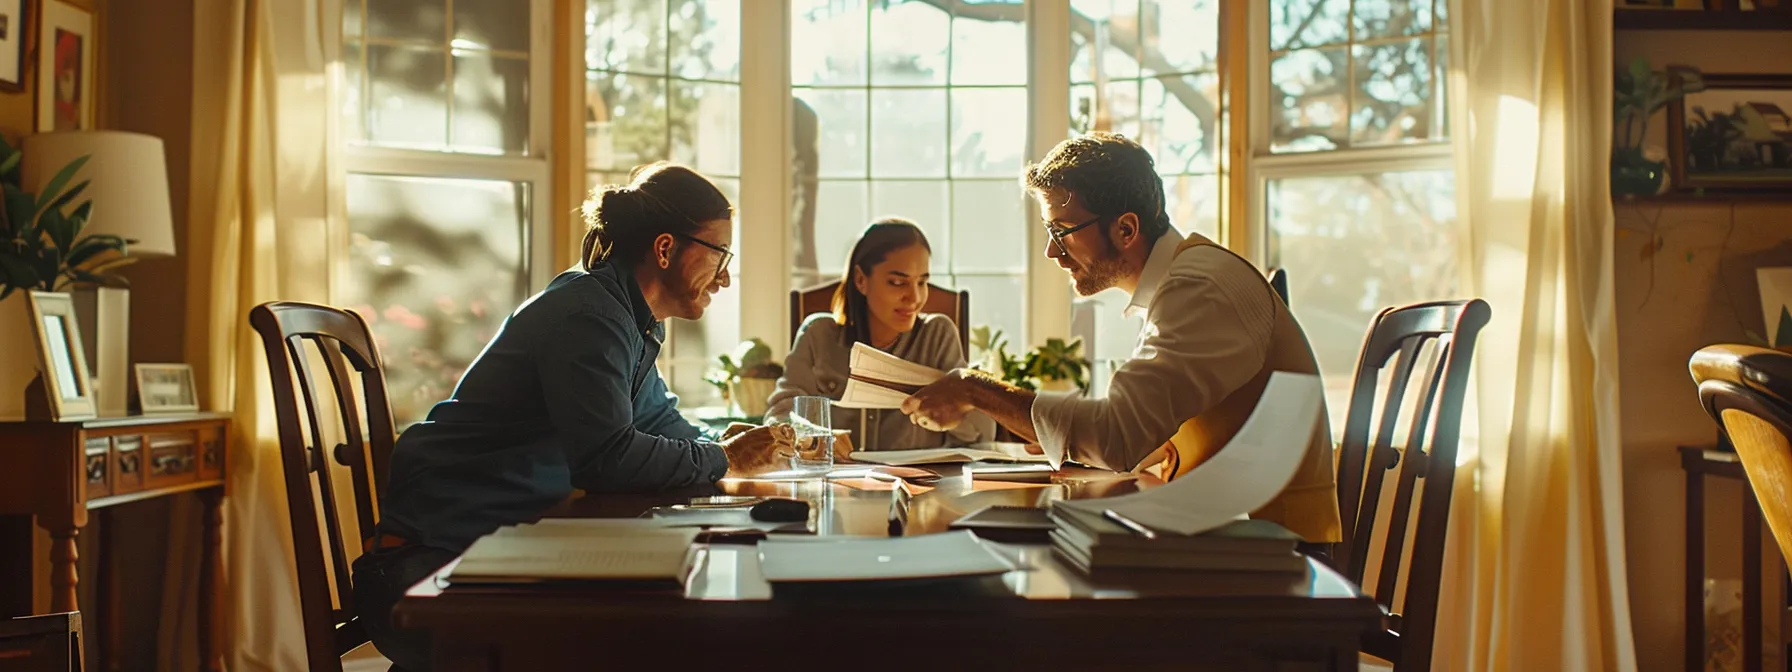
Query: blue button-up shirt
[[565, 396]]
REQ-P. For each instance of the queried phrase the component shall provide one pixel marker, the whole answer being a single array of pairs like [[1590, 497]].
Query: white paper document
[[958, 553], [903, 458], [877, 379], [1248, 472]]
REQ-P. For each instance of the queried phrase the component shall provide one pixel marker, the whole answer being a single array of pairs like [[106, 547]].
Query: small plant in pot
[[747, 377], [1056, 366]]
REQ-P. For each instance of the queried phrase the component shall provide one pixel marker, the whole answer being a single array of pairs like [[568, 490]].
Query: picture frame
[[166, 388], [1733, 136], [15, 28], [64, 87], [61, 360]]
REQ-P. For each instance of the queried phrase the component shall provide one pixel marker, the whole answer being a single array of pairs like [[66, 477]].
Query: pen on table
[[1129, 524]]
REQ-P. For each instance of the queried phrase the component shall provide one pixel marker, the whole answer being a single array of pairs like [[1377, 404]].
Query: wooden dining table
[[1047, 614]]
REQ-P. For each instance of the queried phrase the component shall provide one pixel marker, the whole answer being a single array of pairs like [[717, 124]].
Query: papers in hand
[[877, 379], [943, 456], [928, 556], [630, 551], [1248, 472]]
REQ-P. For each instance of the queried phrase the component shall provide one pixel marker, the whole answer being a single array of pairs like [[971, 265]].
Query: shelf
[[1711, 198], [1692, 19]]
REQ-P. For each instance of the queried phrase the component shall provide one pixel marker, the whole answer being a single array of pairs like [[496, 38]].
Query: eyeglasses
[[727, 255], [1059, 233]]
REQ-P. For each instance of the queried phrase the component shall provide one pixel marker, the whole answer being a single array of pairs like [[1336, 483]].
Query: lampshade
[[127, 181]]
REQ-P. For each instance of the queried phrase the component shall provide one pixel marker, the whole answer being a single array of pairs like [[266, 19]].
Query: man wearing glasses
[[1214, 331]]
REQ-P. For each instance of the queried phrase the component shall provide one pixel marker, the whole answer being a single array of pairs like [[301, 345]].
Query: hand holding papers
[[1246, 474], [878, 379]]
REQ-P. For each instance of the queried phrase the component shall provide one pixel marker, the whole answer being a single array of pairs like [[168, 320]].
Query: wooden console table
[[56, 472]]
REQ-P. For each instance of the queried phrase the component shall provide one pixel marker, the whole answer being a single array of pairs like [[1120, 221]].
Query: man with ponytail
[[566, 397]]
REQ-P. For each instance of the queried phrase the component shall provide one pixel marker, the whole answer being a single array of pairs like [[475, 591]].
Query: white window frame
[[1266, 166], [532, 168]]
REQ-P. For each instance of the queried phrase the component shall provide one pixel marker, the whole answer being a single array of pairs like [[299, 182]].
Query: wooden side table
[[1698, 463], [58, 471]]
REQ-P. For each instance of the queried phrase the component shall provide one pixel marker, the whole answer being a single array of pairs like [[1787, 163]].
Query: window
[[445, 169], [916, 109], [1352, 167], [1149, 70], [662, 82]]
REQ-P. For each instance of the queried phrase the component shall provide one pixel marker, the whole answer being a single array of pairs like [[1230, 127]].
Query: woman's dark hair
[[662, 197], [1110, 173], [884, 236]]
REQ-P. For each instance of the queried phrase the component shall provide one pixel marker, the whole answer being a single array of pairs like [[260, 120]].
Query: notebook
[[952, 554], [634, 555]]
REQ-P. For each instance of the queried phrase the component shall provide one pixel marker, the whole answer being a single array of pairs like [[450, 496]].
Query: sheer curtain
[[1535, 575], [264, 201]]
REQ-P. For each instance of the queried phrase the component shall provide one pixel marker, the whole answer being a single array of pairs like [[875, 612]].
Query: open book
[[878, 379]]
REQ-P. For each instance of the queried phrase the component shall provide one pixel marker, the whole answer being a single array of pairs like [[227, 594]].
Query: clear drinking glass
[[812, 419]]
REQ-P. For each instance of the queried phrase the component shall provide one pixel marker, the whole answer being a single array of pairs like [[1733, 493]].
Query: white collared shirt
[[1208, 321]]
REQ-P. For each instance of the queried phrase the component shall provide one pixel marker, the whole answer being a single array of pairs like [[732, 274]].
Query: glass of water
[[814, 427]]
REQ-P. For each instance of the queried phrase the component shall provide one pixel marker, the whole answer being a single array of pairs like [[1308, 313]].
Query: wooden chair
[[1427, 452], [339, 339], [953, 304], [49, 643], [1278, 281], [1748, 391]]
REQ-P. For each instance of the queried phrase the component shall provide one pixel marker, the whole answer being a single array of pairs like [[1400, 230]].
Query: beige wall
[[1702, 275]]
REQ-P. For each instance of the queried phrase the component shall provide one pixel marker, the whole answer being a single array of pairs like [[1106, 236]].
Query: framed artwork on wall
[[64, 68], [13, 30], [1735, 135]]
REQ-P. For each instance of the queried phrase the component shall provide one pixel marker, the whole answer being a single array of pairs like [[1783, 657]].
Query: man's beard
[[1098, 274], [688, 299]]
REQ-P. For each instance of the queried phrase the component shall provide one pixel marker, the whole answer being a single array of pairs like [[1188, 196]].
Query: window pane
[[908, 133], [705, 38], [1308, 100], [986, 140], [412, 20], [1355, 244], [842, 209], [354, 76], [491, 24], [1393, 96], [827, 42], [989, 228], [434, 265], [1193, 203], [352, 20], [908, 43], [1119, 109], [1391, 18], [1181, 126], [925, 202], [1083, 105], [491, 104], [705, 126], [626, 118], [1110, 26], [840, 126], [409, 91], [1183, 36], [1307, 23], [990, 52], [998, 301], [626, 35]]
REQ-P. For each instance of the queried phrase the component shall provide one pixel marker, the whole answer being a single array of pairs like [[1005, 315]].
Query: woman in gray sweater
[[879, 305]]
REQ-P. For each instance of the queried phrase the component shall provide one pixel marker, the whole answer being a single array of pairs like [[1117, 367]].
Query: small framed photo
[[166, 388], [60, 357], [64, 68], [13, 30], [1735, 135]]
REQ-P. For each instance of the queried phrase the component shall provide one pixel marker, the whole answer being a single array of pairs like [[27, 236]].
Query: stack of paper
[[625, 552], [1246, 474], [1091, 543], [877, 379], [941, 456]]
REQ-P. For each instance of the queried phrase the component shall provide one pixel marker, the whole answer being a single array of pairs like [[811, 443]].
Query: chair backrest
[[1748, 391], [1278, 281], [955, 304], [339, 339], [47, 643], [1427, 451]]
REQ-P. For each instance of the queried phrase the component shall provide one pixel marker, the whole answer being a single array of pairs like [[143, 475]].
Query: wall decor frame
[[65, 55], [1735, 135]]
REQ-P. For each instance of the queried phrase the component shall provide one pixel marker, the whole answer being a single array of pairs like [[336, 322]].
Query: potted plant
[[1056, 366], [41, 249], [1639, 92], [747, 377]]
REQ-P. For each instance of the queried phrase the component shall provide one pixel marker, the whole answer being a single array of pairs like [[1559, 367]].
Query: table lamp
[[127, 178]]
